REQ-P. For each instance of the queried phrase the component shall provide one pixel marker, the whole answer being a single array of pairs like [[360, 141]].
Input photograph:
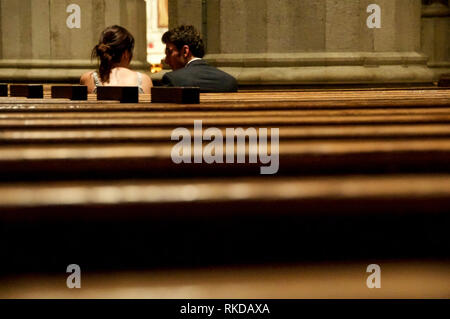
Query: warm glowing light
[[155, 68]]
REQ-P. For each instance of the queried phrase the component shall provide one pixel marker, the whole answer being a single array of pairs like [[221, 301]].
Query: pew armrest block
[[180, 95], [72, 92], [124, 94]]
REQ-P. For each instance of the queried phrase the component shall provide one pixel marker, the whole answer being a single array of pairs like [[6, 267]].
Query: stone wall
[[436, 34], [258, 41], [302, 41], [37, 45]]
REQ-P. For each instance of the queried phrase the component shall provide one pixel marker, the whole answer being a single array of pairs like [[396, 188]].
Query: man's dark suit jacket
[[201, 74]]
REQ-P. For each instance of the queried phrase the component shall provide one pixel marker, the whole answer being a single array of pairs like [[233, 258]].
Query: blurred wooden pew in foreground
[[364, 177]]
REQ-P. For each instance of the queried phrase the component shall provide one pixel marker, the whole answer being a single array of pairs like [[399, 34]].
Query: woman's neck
[[122, 64], [124, 61]]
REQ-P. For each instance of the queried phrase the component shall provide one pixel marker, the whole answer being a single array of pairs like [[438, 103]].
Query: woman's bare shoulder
[[146, 77], [86, 77], [147, 83]]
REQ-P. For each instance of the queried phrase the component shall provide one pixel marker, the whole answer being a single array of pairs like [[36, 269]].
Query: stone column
[[36, 45], [436, 35], [309, 42]]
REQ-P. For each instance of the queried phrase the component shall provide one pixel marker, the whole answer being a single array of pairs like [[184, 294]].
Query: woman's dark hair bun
[[102, 51], [113, 43], [103, 48]]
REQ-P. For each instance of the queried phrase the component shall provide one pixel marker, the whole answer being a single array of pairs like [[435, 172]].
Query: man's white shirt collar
[[194, 59]]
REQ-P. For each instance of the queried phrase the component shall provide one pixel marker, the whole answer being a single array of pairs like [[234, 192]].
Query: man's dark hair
[[185, 35]]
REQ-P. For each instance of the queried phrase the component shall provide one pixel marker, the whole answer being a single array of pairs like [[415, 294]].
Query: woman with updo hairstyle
[[115, 51]]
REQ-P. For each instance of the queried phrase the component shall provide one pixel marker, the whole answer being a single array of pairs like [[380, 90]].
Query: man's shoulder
[[176, 72], [177, 78], [203, 66], [200, 64], [194, 66], [200, 73]]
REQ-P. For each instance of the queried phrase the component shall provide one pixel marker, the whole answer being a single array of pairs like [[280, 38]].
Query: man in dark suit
[[184, 53]]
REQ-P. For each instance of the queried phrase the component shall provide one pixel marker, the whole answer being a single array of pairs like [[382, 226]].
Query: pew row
[[119, 225], [133, 160], [267, 122], [62, 106], [338, 113], [94, 183], [337, 280], [321, 98], [136, 135], [405, 190]]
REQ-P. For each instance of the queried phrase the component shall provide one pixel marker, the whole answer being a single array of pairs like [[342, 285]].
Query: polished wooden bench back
[[364, 174]]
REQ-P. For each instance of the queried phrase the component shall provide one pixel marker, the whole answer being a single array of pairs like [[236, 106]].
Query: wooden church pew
[[140, 160], [268, 122], [129, 224], [100, 180], [136, 135]]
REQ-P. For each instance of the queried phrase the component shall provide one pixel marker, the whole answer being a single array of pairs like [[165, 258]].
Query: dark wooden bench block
[[3, 89], [181, 95], [444, 81], [75, 92], [34, 91], [124, 94]]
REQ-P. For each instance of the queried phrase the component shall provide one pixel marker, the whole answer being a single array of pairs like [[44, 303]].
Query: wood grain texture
[[412, 280], [153, 135], [363, 178]]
